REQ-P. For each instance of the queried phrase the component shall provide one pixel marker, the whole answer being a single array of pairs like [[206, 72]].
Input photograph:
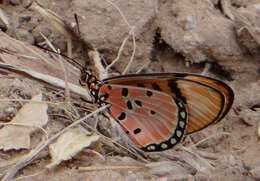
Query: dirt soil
[[219, 38]]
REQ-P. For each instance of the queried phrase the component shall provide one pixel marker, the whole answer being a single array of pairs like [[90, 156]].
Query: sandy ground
[[167, 36]]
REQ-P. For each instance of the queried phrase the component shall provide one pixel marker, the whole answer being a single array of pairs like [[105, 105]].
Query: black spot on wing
[[122, 116], [152, 112], [138, 103], [149, 93], [129, 105], [124, 92], [137, 130]]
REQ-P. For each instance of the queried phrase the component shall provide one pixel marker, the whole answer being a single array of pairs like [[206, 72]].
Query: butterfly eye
[[83, 79]]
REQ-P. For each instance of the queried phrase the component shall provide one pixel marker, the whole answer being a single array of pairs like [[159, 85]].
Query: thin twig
[[48, 42]]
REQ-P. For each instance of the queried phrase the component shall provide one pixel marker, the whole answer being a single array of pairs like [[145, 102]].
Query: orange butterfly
[[156, 110]]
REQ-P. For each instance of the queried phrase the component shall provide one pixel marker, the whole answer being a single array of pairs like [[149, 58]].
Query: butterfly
[[157, 110]]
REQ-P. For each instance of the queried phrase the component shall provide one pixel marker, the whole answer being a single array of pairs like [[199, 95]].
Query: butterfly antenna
[[70, 60], [86, 47]]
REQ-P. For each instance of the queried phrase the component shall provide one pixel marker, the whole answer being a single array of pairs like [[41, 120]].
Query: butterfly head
[[90, 80]]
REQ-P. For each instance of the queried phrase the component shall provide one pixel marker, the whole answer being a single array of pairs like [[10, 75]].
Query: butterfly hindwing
[[152, 119]]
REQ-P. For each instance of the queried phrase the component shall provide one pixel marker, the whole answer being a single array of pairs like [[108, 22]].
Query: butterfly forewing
[[152, 119], [207, 100]]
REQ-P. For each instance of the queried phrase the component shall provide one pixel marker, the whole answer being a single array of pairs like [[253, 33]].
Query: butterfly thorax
[[88, 79]]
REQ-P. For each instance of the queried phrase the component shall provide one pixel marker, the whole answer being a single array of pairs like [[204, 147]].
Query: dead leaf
[[69, 144], [31, 116]]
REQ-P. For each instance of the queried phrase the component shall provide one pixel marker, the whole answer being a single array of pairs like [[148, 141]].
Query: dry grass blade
[[258, 132], [132, 56], [120, 12], [109, 168], [49, 43]]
